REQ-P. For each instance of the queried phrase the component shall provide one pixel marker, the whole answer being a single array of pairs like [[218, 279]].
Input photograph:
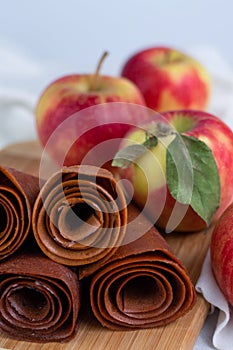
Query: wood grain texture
[[181, 334]]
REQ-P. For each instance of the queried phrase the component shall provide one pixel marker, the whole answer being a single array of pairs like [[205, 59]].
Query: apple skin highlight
[[168, 79]]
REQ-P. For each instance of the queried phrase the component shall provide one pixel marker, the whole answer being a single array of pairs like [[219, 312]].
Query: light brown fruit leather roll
[[18, 191], [80, 216], [39, 299], [143, 285]]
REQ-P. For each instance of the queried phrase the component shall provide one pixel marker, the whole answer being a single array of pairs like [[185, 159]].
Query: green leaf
[[129, 154], [192, 175]]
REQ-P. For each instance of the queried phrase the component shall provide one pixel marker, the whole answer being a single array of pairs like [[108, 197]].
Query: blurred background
[[43, 40]]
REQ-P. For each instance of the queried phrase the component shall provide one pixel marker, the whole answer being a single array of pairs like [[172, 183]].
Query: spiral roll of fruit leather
[[143, 285], [18, 191], [39, 299], [80, 216]]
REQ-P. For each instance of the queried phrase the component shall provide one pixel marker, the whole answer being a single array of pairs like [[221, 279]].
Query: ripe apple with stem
[[169, 79], [180, 172], [74, 93]]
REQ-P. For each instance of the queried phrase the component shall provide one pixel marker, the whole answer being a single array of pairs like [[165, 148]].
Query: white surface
[[222, 335]]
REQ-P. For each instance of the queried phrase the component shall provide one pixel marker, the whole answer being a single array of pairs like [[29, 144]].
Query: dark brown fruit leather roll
[[80, 216], [143, 285], [39, 299], [18, 191]]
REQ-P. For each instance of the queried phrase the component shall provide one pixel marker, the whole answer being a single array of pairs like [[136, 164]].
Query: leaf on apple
[[192, 175], [129, 154]]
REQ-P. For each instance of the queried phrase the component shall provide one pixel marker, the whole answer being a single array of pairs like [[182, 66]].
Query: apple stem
[[97, 71]]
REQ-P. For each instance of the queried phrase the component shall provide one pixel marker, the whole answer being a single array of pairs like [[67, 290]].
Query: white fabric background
[[222, 335]]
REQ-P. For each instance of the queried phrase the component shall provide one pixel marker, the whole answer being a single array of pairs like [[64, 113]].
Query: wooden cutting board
[[181, 334]]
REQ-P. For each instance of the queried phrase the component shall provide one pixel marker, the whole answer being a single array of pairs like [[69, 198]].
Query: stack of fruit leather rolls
[[18, 191], [143, 285], [80, 216], [39, 299]]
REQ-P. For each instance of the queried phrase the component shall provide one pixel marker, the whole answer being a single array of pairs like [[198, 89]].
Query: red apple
[[221, 249], [70, 96], [148, 174], [168, 79]]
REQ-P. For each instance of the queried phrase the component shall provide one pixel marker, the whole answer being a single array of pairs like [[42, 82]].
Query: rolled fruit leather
[[18, 191], [143, 285], [80, 216], [39, 299]]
